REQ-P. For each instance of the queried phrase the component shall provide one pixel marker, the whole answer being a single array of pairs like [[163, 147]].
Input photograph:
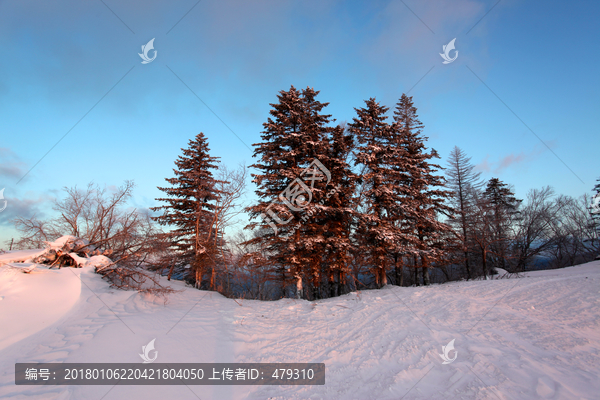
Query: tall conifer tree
[[422, 193], [504, 206], [189, 209], [596, 212], [337, 214], [463, 181], [376, 154], [294, 136]]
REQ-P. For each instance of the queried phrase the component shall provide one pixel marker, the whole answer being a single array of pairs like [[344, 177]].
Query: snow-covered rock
[[67, 242], [98, 262]]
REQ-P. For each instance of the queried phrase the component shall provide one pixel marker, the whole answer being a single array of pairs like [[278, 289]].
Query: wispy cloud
[[512, 160], [22, 207], [484, 166], [11, 167], [509, 161], [18, 204]]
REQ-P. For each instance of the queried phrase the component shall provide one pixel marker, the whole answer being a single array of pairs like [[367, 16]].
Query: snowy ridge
[[529, 338]]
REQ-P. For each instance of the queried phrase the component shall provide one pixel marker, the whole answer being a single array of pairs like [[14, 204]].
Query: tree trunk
[[425, 270], [401, 275], [398, 269], [484, 261], [416, 271], [467, 265], [316, 292], [282, 281], [426, 280], [298, 286], [383, 277], [334, 283]]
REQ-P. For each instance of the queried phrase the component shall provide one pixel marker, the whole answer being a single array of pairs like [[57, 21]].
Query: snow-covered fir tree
[[337, 215], [422, 195], [596, 214], [378, 200], [292, 180], [504, 211], [189, 211]]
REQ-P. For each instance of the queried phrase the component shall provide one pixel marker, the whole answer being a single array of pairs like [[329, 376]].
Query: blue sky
[[523, 69]]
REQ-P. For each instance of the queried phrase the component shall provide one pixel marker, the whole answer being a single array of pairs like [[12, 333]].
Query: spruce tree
[[189, 209], [290, 180], [596, 215], [596, 212], [376, 154], [504, 206], [597, 189], [422, 196], [337, 214]]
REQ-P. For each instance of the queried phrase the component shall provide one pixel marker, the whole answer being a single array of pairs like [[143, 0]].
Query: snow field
[[529, 338]]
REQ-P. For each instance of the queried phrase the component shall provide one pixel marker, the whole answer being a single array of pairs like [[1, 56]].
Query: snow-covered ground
[[530, 338]]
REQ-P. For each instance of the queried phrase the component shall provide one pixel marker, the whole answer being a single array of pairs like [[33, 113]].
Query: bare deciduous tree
[[533, 235], [231, 187], [101, 216], [463, 181], [575, 236]]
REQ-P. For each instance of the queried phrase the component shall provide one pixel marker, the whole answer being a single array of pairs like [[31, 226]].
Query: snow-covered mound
[[536, 337], [32, 302], [93, 261], [66, 243]]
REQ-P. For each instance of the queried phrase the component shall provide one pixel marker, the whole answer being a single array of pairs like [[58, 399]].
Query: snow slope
[[537, 337]]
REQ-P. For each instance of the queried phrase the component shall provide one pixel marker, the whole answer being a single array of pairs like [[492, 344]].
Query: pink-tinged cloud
[[510, 160], [484, 166]]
